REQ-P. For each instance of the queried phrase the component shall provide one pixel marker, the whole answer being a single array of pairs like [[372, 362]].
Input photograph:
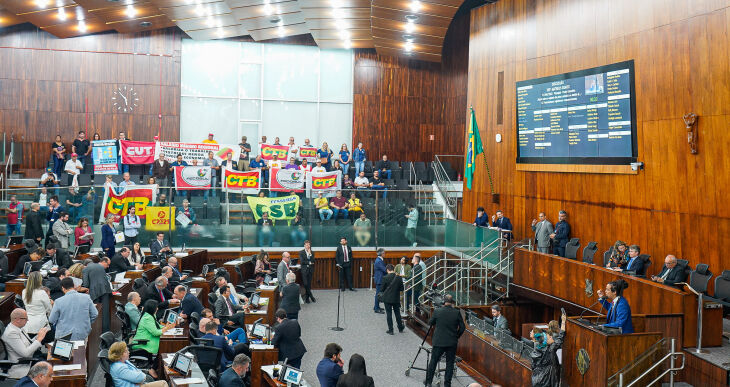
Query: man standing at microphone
[[343, 258], [448, 327]]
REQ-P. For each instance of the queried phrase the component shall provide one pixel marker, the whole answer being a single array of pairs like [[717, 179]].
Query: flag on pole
[[473, 149]]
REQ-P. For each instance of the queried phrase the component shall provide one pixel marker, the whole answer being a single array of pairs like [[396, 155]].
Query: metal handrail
[[698, 348], [440, 176], [8, 167], [670, 370]]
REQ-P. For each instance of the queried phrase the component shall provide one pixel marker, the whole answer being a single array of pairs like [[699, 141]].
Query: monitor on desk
[[181, 363], [290, 374], [14, 240], [260, 330], [210, 267], [255, 300], [267, 280], [32, 266], [83, 249], [170, 317], [62, 349]]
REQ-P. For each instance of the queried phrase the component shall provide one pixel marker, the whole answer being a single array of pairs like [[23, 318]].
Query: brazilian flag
[[473, 149]]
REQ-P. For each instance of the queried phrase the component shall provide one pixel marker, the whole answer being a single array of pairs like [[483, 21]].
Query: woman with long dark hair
[[137, 256], [357, 375], [149, 329]]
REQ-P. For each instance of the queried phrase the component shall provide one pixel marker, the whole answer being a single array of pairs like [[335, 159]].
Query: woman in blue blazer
[[107, 237], [619, 311]]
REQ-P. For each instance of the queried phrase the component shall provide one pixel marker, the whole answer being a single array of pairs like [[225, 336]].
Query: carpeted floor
[[387, 357]]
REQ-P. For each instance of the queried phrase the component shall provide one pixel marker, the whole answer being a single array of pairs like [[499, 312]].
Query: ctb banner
[[325, 182], [117, 204], [137, 152], [241, 182], [160, 218], [192, 177], [190, 151], [283, 208], [308, 153], [286, 180], [105, 153], [269, 151]]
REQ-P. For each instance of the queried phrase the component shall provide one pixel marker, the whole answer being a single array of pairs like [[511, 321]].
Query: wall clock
[[125, 99]]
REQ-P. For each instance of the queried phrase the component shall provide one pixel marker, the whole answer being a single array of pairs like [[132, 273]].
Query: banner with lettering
[[325, 182], [279, 208], [160, 218], [117, 204], [192, 177], [268, 151], [241, 182], [286, 180], [309, 153], [105, 153], [190, 151], [137, 152]]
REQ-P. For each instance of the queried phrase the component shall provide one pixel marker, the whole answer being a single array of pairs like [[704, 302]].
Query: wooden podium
[[606, 353]]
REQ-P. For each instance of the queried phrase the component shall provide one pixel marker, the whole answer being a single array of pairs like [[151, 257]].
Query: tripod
[[437, 371], [338, 328]]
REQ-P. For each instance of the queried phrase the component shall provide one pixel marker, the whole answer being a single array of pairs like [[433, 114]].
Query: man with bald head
[[671, 273], [157, 291], [40, 375], [283, 269], [176, 274], [18, 344]]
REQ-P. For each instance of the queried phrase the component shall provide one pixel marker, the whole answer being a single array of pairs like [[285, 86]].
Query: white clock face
[[125, 99]]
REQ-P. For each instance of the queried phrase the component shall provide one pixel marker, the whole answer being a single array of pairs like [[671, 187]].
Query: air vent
[[145, 24], [409, 37], [275, 20], [411, 18]]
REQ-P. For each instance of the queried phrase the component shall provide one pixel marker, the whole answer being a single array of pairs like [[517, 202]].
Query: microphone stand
[[580, 318], [699, 318], [338, 328]]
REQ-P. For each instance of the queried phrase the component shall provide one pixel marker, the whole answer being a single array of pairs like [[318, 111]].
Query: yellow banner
[[160, 218], [279, 208]]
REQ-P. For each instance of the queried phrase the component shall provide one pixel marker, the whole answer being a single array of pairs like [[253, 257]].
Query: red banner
[[117, 204], [308, 153], [286, 180], [192, 177], [243, 182], [325, 180], [138, 152], [268, 151]]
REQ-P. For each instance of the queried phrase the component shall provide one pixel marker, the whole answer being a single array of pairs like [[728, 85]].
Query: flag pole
[[486, 165]]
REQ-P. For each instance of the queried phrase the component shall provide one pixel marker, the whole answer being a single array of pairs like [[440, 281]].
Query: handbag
[[380, 295]]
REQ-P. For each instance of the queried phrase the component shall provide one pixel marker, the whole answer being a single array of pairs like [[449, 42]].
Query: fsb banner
[[137, 152], [309, 153], [192, 177], [268, 151], [241, 182], [105, 154], [117, 204], [160, 218], [283, 208], [286, 180], [326, 182], [190, 151]]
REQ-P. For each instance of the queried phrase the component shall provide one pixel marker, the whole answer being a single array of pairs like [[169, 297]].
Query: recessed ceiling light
[[82, 26], [410, 27], [415, 5], [338, 13], [268, 9], [199, 10], [409, 37], [42, 3], [62, 14], [411, 18], [131, 12], [345, 35], [275, 20], [408, 46], [145, 24], [281, 31], [347, 44]]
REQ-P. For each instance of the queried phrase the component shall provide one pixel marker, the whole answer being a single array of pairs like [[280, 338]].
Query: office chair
[[589, 251], [699, 277], [571, 248], [207, 357]]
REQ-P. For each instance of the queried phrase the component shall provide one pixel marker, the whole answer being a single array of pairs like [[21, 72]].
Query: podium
[[591, 356]]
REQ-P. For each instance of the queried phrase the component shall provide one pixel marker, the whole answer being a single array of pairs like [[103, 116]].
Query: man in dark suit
[[343, 258], [671, 273], [233, 377], [448, 327], [177, 276], [120, 262], [226, 311], [502, 222], [53, 283], [222, 342], [94, 279], [392, 286], [288, 339], [561, 234], [158, 291], [290, 297], [40, 375], [306, 259], [634, 263], [189, 304], [60, 257], [32, 256], [329, 368], [378, 273], [499, 320], [159, 246], [33, 224]]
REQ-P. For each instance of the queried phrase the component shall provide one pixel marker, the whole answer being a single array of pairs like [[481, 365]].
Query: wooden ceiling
[[380, 24]]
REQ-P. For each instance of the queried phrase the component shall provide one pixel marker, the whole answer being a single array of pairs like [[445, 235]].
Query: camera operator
[[448, 327]]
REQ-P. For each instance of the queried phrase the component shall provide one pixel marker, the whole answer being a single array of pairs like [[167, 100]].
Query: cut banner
[[269, 151], [105, 153], [192, 177], [309, 153], [160, 218], [286, 180], [137, 152], [325, 182], [283, 208], [117, 204], [241, 182], [190, 151]]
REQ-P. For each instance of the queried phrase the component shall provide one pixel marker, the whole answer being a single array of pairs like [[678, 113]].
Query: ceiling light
[[411, 18], [345, 35], [347, 44], [220, 32], [409, 38], [62, 14], [199, 10], [415, 5], [42, 3], [275, 20], [281, 31], [268, 9], [145, 24], [338, 13], [408, 46], [131, 12], [210, 22], [82, 26], [340, 24], [335, 3], [410, 27], [80, 14]]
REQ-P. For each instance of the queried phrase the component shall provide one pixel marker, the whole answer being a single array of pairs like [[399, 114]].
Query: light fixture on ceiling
[[415, 5], [220, 32], [42, 3], [410, 27], [80, 14], [335, 3], [62, 14], [131, 12], [145, 24], [281, 31], [340, 24], [345, 35], [199, 10], [409, 38], [411, 18], [275, 20], [347, 44], [408, 46], [210, 22], [338, 13], [82, 26]]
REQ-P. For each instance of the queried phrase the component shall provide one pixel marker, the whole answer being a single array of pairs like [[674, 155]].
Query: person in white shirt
[[319, 167], [276, 163], [18, 344], [293, 149], [37, 303], [305, 166], [126, 182], [132, 224], [361, 182], [73, 168]]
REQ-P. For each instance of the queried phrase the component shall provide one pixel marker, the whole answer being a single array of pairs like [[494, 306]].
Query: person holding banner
[[258, 164], [179, 162], [358, 157], [344, 159], [325, 155], [214, 168], [210, 139], [293, 149], [305, 166], [243, 158], [292, 164], [319, 168]]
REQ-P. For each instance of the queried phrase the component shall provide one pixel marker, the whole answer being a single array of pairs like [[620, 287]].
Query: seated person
[[265, 230], [634, 263], [237, 335], [125, 373], [361, 182], [33, 256], [18, 344], [149, 328], [161, 201], [49, 179], [226, 311], [132, 309], [383, 166], [263, 266], [354, 207], [235, 297], [160, 245], [233, 377], [322, 206], [377, 183], [176, 274], [120, 261], [339, 206], [157, 291], [619, 255], [229, 350], [58, 256], [671, 273]]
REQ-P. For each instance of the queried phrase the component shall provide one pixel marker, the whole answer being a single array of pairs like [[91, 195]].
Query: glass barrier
[[470, 239], [215, 218], [518, 348]]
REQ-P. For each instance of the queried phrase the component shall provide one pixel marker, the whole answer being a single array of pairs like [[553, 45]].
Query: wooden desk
[[268, 381], [246, 266], [172, 344], [483, 354], [15, 286], [71, 378], [274, 299], [7, 305], [16, 251], [261, 357], [171, 375], [564, 280]]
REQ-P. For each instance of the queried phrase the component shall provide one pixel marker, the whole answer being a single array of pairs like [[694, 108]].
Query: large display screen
[[582, 117]]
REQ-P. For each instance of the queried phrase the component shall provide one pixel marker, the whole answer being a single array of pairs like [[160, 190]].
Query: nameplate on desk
[[258, 312], [66, 367], [79, 343], [188, 381], [174, 332], [198, 279], [260, 346], [267, 287]]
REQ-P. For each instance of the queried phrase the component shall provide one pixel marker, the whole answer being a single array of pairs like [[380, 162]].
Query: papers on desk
[[198, 279], [267, 287], [119, 277], [168, 359], [174, 332], [180, 255], [79, 343], [260, 346], [66, 367], [264, 301], [257, 312], [4, 250], [188, 381]]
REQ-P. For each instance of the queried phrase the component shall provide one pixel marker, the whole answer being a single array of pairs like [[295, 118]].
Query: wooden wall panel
[[677, 204], [399, 103], [46, 81]]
